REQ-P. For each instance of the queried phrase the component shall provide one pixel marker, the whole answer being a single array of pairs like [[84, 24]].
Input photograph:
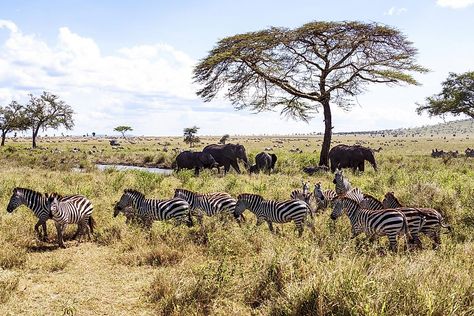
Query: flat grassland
[[223, 269]]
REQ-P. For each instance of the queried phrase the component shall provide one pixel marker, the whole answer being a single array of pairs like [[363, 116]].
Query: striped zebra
[[325, 198], [209, 203], [433, 219], [149, 210], [374, 223], [38, 203], [274, 211], [342, 184], [304, 195], [415, 218], [72, 209]]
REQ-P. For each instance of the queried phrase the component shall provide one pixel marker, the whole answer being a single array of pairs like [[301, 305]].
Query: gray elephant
[[264, 162], [194, 160], [344, 156], [227, 155]]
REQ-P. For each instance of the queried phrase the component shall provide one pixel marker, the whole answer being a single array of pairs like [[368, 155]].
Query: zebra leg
[[42, 237], [299, 227], [60, 229], [393, 242], [260, 220], [270, 226], [311, 226]]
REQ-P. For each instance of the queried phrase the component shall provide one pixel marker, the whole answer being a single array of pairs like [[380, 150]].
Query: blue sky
[[130, 62]]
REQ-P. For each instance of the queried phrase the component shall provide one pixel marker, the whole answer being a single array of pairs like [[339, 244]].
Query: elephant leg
[[196, 171], [235, 165], [226, 167], [362, 166]]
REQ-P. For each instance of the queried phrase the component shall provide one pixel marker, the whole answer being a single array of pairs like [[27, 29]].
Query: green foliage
[[456, 97], [123, 129], [190, 135]]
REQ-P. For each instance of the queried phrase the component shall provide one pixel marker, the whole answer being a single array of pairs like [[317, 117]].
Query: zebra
[[275, 211], [38, 203], [73, 209], [415, 218], [433, 219], [303, 195], [389, 222], [342, 184], [323, 198], [210, 203], [149, 210]]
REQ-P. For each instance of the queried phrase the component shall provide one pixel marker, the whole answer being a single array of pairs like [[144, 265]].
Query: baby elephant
[[264, 162]]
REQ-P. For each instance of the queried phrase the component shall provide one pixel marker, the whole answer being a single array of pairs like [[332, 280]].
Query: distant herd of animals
[[366, 213], [435, 153]]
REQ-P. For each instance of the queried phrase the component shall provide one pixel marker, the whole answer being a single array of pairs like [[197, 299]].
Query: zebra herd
[[366, 213]]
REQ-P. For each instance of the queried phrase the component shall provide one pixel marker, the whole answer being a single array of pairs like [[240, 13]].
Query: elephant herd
[[228, 155]]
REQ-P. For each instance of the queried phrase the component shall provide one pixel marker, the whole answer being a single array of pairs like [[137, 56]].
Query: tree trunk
[[35, 134], [323, 158], [4, 134]]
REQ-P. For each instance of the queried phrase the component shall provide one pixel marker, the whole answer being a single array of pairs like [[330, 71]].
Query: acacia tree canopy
[[123, 129], [47, 111], [190, 137], [456, 97], [305, 69], [12, 118]]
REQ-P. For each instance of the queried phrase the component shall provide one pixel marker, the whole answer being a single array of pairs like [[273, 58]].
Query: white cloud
[[395, 11], [455, 4]]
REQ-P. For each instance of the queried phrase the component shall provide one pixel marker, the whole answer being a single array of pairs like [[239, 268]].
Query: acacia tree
[[123, 129], [12, 118], [456, 97], [190, 135], [302, 70], [47, 111]]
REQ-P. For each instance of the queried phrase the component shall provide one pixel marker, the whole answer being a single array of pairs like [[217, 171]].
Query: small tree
[[12, 118], [190, 136], [224, 139], [47, 111], [456, 97], [123, 129]]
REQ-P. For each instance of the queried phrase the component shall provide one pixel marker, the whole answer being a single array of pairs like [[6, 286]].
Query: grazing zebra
[[342, 184], [73, 209], [415, 218], [433, 219], [374, 223], [210, 203], [149, 210], [274, 211], [323, 198], [38, 203]]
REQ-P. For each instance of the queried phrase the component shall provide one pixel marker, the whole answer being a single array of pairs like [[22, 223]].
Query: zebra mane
[[30, 191], [134, 192], [250, 195], [184, 190], [371, 197]]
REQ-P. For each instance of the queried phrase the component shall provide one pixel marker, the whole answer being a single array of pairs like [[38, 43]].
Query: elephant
[[344, 156], [264, 161], [195, 160], [227, 155]]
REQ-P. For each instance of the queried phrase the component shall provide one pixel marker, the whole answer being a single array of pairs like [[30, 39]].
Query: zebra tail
[[92, 224], [190, 220]]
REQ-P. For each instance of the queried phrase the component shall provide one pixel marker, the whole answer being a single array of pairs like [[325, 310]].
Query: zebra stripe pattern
[[149, 210], [35, 201], [342, 184], [274, 211], [373, 223], [325, 198], [73, 209], [210, 203], [415, 218], [433, 220], [303, 195]]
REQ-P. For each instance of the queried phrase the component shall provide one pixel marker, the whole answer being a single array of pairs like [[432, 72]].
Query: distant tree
[[456, 97], [12, 118], [93, 134], [224, 139], [123, 129], [318, 65], [47, 111], [190, 136]]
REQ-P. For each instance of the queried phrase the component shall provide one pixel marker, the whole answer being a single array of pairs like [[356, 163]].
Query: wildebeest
[[265, 162], [194, 160], [227, 155], [312, 170], [469, 152], [345, 156]]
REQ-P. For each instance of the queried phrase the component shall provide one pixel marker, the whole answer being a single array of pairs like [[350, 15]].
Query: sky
[[130, 62]]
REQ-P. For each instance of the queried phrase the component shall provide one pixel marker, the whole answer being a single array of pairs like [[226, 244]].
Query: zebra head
[[318, 192], [390, 201], [129, 198], [246, 201], [53, 204], [337, 208], [16, 200]]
